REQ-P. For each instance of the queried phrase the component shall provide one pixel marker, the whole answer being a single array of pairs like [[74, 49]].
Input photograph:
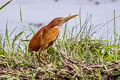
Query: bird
[[47, 35]]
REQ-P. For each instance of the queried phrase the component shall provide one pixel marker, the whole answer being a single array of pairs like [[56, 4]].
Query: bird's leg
[[40, 58], [40, 55]]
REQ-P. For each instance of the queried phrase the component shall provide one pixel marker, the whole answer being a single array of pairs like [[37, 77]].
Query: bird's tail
[[29, 50]]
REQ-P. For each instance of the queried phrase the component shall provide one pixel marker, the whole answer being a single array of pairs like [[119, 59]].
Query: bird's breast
[[50, 35]]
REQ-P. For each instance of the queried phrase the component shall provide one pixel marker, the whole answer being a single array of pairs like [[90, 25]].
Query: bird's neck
[[50, 26]]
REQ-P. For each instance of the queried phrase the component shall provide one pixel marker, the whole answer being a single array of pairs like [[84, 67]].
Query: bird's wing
[[34, 43], [51, 43]]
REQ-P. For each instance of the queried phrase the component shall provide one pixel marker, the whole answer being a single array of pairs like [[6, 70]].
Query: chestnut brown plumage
[[46, 36]]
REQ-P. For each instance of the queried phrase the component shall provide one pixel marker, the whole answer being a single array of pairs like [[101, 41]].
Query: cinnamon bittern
[[47, 35]]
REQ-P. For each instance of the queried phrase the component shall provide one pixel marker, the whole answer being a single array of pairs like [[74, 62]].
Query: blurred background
[[38, 13]]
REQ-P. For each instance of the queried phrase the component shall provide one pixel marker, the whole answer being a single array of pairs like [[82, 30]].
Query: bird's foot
[[42, 61]]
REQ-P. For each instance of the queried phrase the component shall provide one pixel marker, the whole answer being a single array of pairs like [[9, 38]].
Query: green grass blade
[[12, 31], [30, 28], [7, 37], [5, 4], [16, 38], [21, 15], [65, 30], [25, 44], [114, 25]]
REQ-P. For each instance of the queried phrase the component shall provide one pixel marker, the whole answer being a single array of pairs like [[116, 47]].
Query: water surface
[[43, 11]]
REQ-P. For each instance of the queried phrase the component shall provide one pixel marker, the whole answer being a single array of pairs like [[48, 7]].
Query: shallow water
[[43, 11]]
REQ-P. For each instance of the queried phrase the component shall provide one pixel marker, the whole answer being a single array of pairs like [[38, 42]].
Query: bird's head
[[59, 21]]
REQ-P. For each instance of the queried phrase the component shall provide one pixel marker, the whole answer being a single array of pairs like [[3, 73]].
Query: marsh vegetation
[[72, 57]]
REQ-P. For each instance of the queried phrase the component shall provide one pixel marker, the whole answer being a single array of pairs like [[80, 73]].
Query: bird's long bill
[[69, 18]]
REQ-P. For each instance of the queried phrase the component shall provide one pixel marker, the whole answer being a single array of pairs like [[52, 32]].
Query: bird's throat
[[57, 27]]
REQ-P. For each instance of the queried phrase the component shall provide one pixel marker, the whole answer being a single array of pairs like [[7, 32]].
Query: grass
[[71, 57]]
